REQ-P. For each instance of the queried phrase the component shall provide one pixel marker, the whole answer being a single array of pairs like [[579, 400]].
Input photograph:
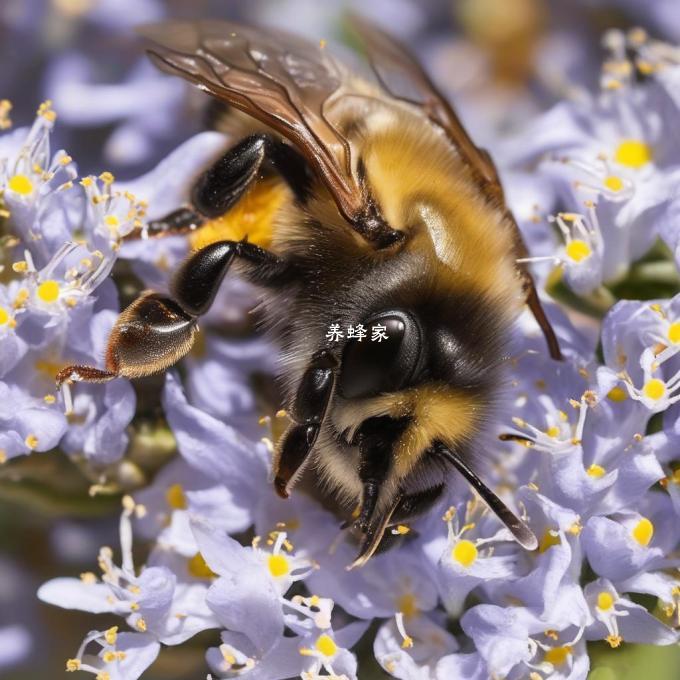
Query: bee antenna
[[524, 536]]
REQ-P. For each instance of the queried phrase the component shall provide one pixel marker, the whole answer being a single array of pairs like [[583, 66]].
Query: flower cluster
[[584, 450]]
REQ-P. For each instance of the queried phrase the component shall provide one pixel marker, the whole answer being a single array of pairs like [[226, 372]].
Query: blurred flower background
[[146, 511]]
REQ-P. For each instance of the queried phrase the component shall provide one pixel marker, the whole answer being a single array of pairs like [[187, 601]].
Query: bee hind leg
[[309, 409]]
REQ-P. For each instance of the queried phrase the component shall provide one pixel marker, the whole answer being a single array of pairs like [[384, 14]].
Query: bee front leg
[[155, 331], [309, 409], [223, 184]]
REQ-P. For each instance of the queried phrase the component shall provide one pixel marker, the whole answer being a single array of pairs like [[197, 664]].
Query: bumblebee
[[389, 216]]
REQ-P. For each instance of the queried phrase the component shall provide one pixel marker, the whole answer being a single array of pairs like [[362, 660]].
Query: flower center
[[326, 645], [605, 601], [112, 222], [20, 184], [48, 291], [278, 565], [617, 394], [595, 470], [199, 568], [406, 604], [643, 531], [548, 541], [674, 332], [654, 389], [557, 655], [464, 552], [175, 497], [633, 153], [578, 250], [613, 183]]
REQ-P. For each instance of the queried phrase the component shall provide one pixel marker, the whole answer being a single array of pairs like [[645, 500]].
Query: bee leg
[[180, 221], [309, 409], [534, 304], [155, 331], [150, 335], [223, 184]]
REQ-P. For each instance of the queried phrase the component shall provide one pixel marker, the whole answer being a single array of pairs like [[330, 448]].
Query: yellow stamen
[[278, 565], [633, 153], [553, 431], [605, 601], [48, 291], [654, 389], [4, 316], [111, 635], [613, 183], [20, 184], [643, 531], [326, 645], [31, 441], [141, 624], [72, 665], [578, 250], [614, 640], [595, 470], [109, 657], [464, 552], [175, 497]]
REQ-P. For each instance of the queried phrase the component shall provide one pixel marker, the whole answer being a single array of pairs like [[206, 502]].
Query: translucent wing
[[279, 79], [404, 78]]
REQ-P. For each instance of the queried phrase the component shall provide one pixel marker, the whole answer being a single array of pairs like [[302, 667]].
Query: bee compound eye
[[384, 360]]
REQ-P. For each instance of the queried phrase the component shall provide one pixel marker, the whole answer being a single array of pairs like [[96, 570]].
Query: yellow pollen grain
[[595, 470], [31, 441], [141, 624], [72, 665], [548, 541], [175, 497], [20, 184], [48, 291], [674, 332], [605, 601], [102, 676], [20, 266], [401, 529], [199, 568], [278, 565], [617, 394], [49, 399], [578, 250], [4, 316], [558, 655], [111, 635], [654, 389], [109, 657], [326, 645], [111, 221], [643, 531], [464, 552], [633, 153], [613, 183]]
